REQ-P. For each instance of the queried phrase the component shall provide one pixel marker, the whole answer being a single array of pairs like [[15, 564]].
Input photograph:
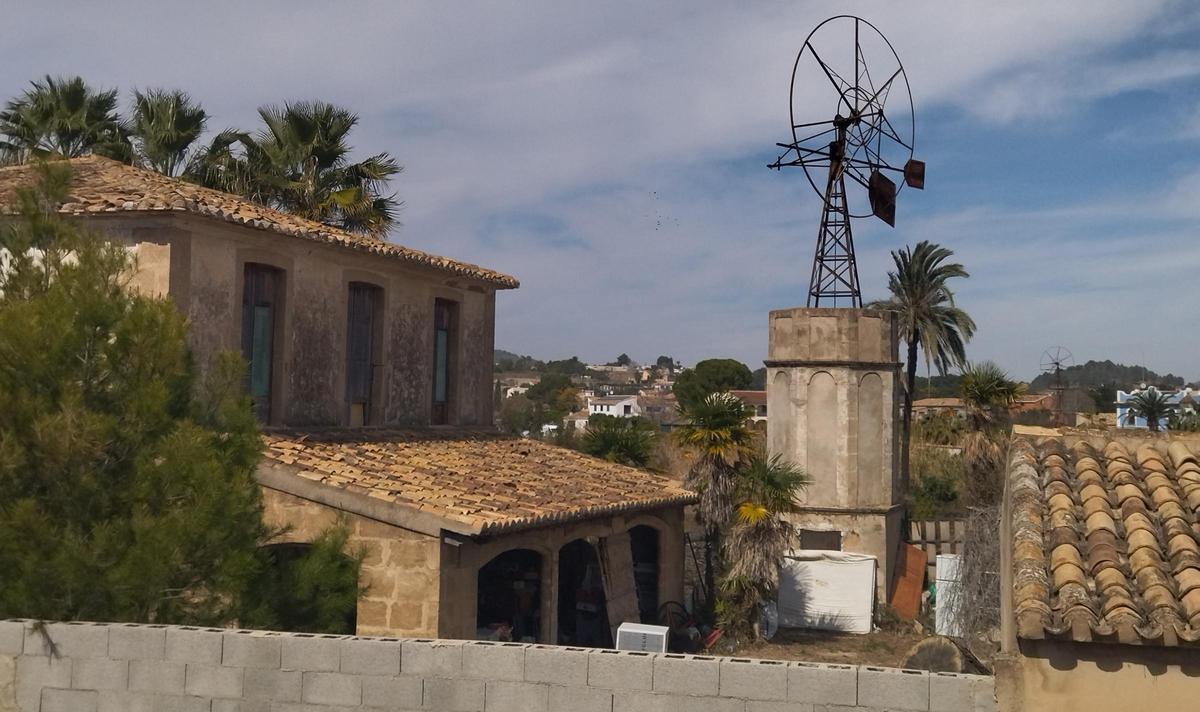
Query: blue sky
[[612, 155]]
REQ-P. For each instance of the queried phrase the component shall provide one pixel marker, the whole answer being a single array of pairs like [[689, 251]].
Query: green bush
[[938, 476]]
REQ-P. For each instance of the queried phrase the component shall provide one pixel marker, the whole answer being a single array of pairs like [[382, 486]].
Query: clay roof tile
[[1134, 575]]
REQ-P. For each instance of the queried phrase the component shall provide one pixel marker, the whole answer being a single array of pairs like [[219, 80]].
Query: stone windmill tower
[[833, 373]]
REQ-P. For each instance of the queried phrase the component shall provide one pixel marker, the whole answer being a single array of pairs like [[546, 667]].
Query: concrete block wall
[[95, 667]]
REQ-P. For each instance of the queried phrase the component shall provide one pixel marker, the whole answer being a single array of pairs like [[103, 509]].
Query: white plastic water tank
[[948, 617]]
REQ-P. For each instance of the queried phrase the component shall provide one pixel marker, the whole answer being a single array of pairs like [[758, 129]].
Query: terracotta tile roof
[[938, 403], [482, 481], [1106, 544], [102, 185]]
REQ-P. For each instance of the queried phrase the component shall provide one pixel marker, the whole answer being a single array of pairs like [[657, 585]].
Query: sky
[[612, 156]]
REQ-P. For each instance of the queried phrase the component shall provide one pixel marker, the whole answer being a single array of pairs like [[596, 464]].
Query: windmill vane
[[1054, 360], [864, 141]]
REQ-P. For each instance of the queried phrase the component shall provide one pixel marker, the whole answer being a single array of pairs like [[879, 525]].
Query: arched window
[[509, 597]]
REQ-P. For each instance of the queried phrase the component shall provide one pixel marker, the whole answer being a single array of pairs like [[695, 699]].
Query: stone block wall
[[400, 568], [98, 667]]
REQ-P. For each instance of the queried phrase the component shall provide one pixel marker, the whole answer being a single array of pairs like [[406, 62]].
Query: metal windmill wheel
[[847, 68], [1056, 358]]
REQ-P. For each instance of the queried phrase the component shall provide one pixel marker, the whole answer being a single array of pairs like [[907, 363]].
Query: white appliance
[[948, 619], [642, 638], [827, 590]]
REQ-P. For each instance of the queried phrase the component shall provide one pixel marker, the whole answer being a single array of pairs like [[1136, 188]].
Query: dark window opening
[[444, 318], [582, 607], [363, 350], [643, 540], [820, 540], [261, 314], [628, 410], [509, 599]]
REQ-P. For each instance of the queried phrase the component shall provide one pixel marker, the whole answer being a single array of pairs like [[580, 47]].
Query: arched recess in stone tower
[[779, 401], [822, 435], [869, 480]]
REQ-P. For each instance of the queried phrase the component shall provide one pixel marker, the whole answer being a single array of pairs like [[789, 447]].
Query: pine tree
[[128, 490]]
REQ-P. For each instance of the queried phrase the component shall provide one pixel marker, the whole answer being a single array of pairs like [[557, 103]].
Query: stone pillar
[[833, 405]]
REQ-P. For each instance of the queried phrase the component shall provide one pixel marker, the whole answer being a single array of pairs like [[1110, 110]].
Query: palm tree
[[928, 319], [1151, 404], [985, 388], [164, 129], [767, 489], [715, 433], [627, 441], [299, 162], [62, 116]]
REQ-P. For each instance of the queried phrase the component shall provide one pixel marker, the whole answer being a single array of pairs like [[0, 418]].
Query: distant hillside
[[1107, 373], [509, 361]]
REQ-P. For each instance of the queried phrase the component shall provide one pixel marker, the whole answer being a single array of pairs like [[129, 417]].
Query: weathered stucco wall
[[400, 569], [138, 667], [200, 264], [1074, 677], [833, 387]]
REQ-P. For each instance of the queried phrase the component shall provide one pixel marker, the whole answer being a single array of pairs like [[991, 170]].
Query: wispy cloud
[[612, 154]]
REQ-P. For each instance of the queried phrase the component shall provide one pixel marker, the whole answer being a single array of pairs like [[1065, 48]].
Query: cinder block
[[241, 706], [99, 674], [156, 676], [332, 688], [311, 653], [453, 695], [68, 700], [12, 637], [71, 640], [823, 684], [8, 679], [278, 685], [431, 658], [781, 706], [36, 672], [494, 661], [637, 701], [893, 689], [984, 698], [687, 674], [392, 692], [618, 670], [125, 701], [366, 656], [754, 679], [251, 650], [507, 696], [137, 642], [556, 666], [213, 681], [150, 702], [579, 699], [195, 645], [949, 692]]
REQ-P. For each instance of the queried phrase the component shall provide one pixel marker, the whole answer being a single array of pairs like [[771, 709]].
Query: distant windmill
[[846, 158], [1054, 361]]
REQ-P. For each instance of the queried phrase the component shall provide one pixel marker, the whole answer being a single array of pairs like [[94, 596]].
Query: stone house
[[1100, 573], [370, 367]]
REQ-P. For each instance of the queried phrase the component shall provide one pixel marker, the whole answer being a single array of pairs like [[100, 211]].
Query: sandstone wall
[[400, 569]]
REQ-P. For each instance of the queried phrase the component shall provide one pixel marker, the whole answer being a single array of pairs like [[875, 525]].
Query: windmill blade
[[882, 192]]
